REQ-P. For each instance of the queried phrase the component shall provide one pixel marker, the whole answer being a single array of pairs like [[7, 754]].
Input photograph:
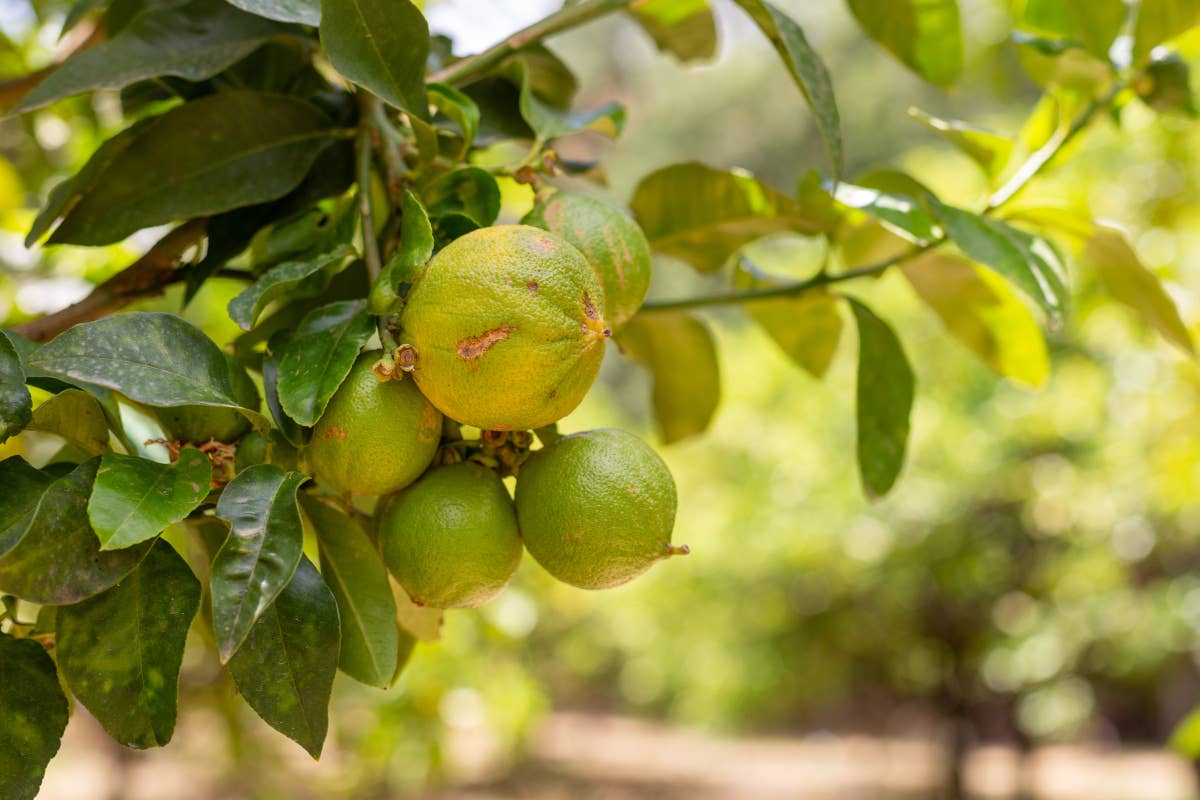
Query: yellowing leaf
[[807, 327]]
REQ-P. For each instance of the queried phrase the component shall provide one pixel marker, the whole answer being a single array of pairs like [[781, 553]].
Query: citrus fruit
[[451, 538], [373, 438], [508, 329], [200, 424], [597, 508], [610, 240]]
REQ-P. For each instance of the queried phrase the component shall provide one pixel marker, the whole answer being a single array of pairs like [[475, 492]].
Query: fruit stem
[[680, 550], [366, 101], [1032, 167], [463, 70]]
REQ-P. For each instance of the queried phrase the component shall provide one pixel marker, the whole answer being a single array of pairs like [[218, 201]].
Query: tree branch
[[463, 70], [14, 90], [149, 275]]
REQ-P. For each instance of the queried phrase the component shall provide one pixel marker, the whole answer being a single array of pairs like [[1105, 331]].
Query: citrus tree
[[427, 292]]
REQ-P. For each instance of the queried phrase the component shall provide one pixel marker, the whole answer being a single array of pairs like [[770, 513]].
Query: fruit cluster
[[504, 331]]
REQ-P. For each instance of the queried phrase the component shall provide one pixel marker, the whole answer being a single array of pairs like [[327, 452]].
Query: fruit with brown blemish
[[597, 509], [506, 328], [610, 240], [375, 437], [451, 538]]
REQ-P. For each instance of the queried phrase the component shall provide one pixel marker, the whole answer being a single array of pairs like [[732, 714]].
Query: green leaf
[[1129, 282], [884, 402], [193, 41], [990, 151], [901, 215], [680, 353], [415, 250], [261, 553], [223, 151], [286, 667], [807, 327], [1185, 739], [684, 28], [1098, 23], [1029, 261], [703, 215], [549, 122], [286, 426], [1159, 21], [806, 68], [289, 278], [925, 35], [77, 417], [23, 489], [460, 108], [983, 314], [354, 572], [16, 405], [135, 499], [57, 559], [305, 12], [121, 651], [381, 45], [153, 358], [33, 716], [319, 357], [469, 192]]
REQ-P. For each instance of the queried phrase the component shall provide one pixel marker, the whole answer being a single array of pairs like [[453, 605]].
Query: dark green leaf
[[152, 358], [980, 310], [121, 651], [901, 215], [16, 405], [991, 151], [703, 215], [1122, 273], [381, 45], [305, 12], [468, 191], [77, 417], [680, 353], [460, 108], [1159, 21], [286, 667], [416, 248], [354, 572], [57, 560], [884, 402], [806, 69], [194, 41], [924, 34], [258, 558], [135, 499], [1029, 261], [220, 152], [807, 327], [33, 716], [286, 278], [287, 426], [549, 122], [318, 358], [23, 489], [684, 28]]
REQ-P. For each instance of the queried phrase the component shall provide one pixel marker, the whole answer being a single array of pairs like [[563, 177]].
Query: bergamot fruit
[[374, 437], [451, 538], [507, 326], [597, 508], [200, 424], [610, 240]]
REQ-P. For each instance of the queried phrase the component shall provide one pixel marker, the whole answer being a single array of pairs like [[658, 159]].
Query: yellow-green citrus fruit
[[200, 424], [508, 328], [610, 240], [597, 508], [374, 438], [451, 538]]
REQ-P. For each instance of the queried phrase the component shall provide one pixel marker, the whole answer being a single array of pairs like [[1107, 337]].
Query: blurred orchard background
[[1019, 618]]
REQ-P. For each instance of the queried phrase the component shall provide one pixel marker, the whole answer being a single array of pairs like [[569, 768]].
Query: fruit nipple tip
[[681, 550]]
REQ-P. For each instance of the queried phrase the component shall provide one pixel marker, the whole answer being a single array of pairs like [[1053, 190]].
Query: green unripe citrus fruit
[[451, 538], [610, 240], [508, 329], [597, 508], [374, 437], [200, 424]]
